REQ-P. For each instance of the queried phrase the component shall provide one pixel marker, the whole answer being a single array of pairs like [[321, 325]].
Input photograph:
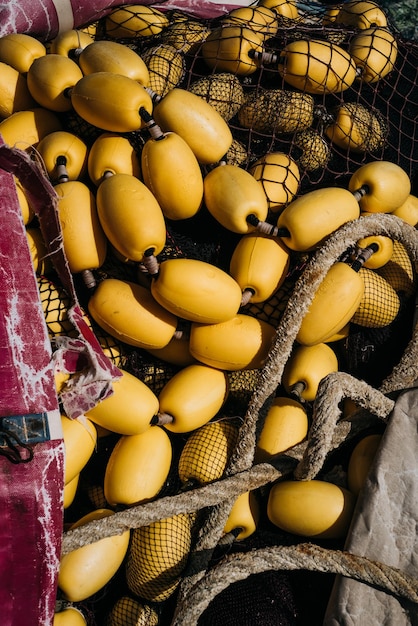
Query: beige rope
[[327, 412], [186, 502], [405, 374], [305, 556]]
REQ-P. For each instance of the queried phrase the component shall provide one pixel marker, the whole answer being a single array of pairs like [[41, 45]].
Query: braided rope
[[332, 389], [305, 556], [186, 502]]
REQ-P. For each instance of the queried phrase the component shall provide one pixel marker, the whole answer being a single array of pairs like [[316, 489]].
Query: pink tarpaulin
[[31, 444], [46, 18], [30, 491]]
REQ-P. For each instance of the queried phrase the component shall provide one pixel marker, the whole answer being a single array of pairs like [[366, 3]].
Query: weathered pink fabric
[[30, 535], [30, 493]]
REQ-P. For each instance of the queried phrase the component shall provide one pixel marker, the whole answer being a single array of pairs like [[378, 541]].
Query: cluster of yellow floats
[[115, 199]]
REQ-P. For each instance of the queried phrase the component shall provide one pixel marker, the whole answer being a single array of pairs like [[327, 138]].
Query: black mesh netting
[[266, 114]]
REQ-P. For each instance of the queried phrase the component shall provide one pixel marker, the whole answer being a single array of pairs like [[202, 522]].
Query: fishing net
[[273, 576]]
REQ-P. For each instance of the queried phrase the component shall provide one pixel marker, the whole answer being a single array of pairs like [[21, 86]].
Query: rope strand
[[302, 556]]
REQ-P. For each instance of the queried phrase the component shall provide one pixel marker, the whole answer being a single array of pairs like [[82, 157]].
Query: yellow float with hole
[[333, 305], [306, 367], [65, 149], [69, 42], [50, 78], [97, 99], [244, 516], [231, 49], [129, 410], [171, 171], [259, 264], [19, 50], [25, 129], [111, 56], [14, 92], [85, 243], [196, 121], [232, 195], [305, 223], [192, 397], [130, 217], [196, 290], [80, 438], [316, 66]]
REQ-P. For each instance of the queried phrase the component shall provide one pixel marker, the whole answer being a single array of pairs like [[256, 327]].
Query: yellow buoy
[[19, 50], [50, 78], [306, 367], [171, 171], [25, 129], [380, 303], [259, 264], [196, 290], [138, 467], [112, 153], [80, 438], [380, 186], [279, 174], [234, 198], [206, 452], [196, 121], [64, 156], [85, 244], [130, 217], [86, 570], [333, 305], [307, 221], [129, 410], [285, 425], [129, 312], [316, 66], [361, 460], [136, 20], [231, 49], [157, 557], [242, 342], [97, 99], [192, 397], [70, 42], [14, 92], [69, 616], [112, 56], [311, 508], [374, 51], [244, 516]]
